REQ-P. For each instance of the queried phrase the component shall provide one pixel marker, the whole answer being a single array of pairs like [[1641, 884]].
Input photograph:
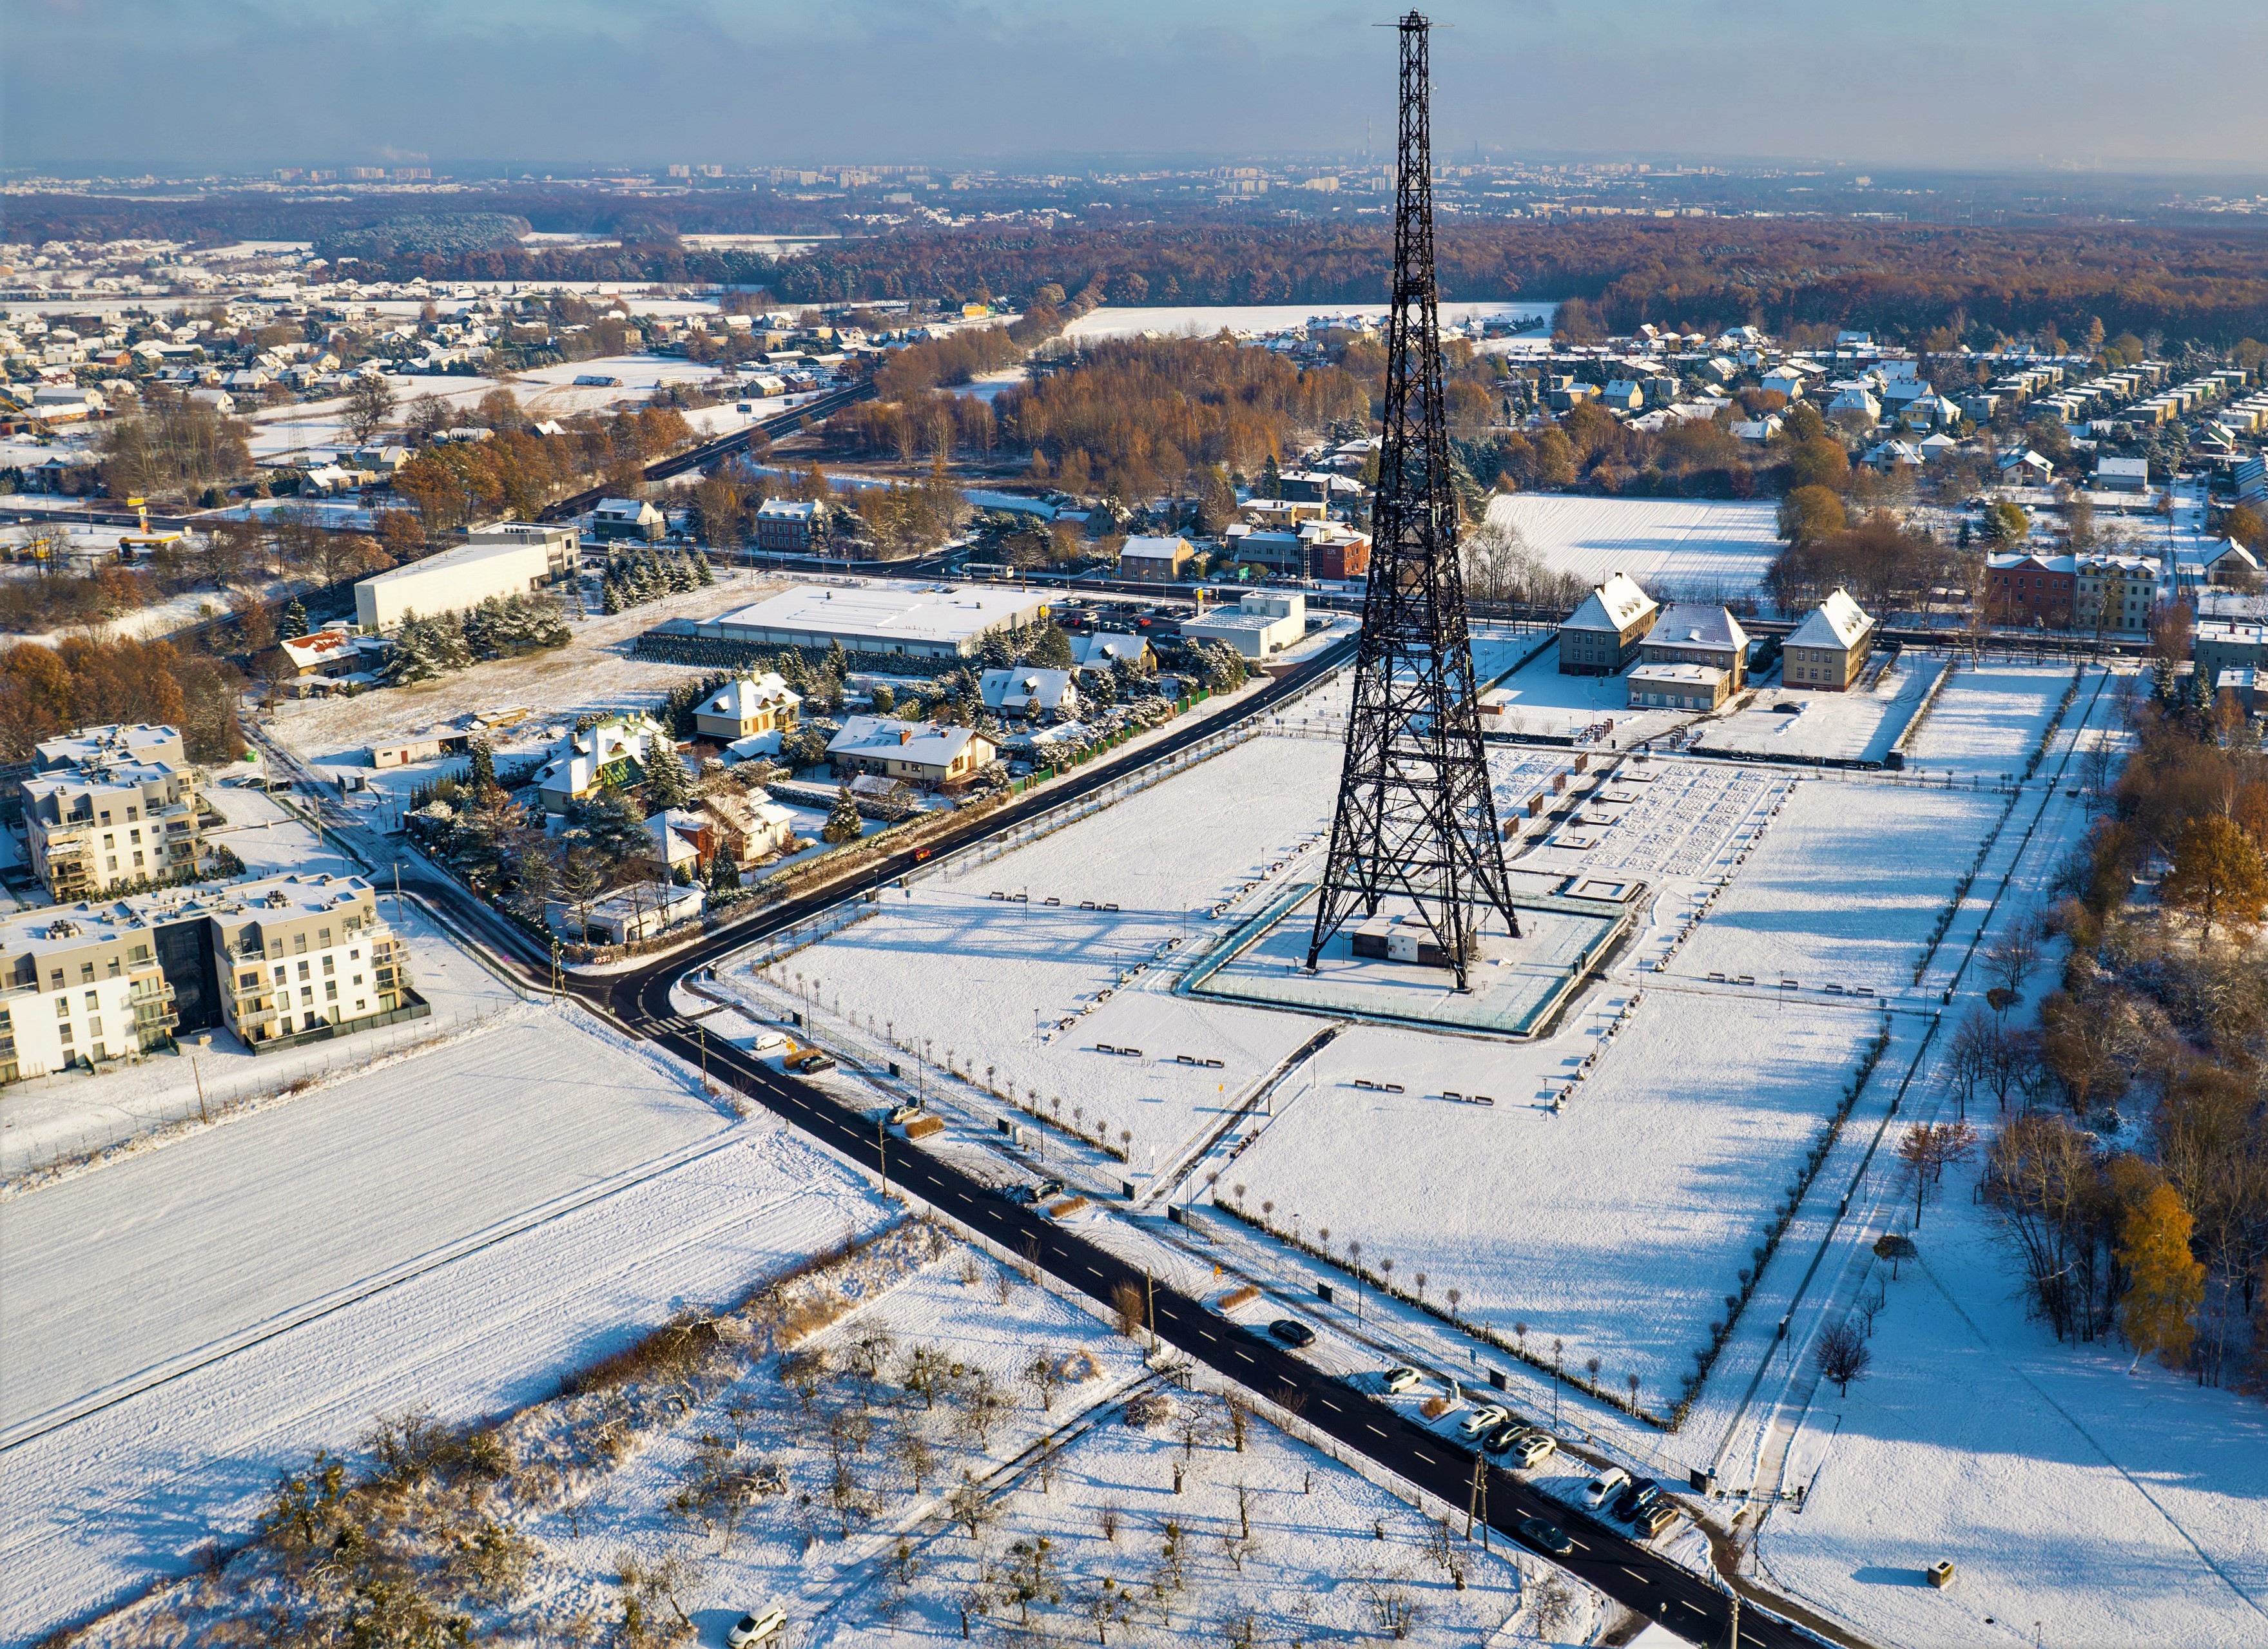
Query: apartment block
[[111, 808]]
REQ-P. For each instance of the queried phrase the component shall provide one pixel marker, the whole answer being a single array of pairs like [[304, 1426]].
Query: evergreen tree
[[1051, 649], [843, 822], [884, 700], [667, 785], [482, 778], [997, 651], [838, 662], [295, 622], [724, 875], [611, 600], [678, 576], [411, 660], [704, 574]]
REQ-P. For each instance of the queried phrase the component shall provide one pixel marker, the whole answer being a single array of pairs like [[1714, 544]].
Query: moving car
[[1545, 1537], [1292, 1331], [1604, 1485], [764, 1627], [907, 1112], [1401, 1377]]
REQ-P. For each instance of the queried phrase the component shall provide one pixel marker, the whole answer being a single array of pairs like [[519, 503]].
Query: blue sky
[[181, 85]]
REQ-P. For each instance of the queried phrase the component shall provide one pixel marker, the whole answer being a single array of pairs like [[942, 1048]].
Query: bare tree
[[917, 1455], [1928, 1148], [1045, 1376], [1842, 1354], [969, 1506]]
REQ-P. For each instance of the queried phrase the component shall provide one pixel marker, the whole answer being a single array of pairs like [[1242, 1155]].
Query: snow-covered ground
[[1689, 548], [1616, 1224], [1854, 725], [2107, 1504], [452, 1231], [1986, 722], [1846, 888], [1538, 699]]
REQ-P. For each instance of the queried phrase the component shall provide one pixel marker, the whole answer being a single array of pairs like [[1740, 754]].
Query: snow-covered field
[[1616, 1224], [452, 1231], [1987, 722], [1861, 725], [949, 966], [1845, 886], [2106, 1503], [1694, 548], [1203, 320]]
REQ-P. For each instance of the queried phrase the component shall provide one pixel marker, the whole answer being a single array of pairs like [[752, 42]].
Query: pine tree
[[704, 574], [2166, 1284], [482, 776], [724, 875], [838, 662], [1051, 649], [411, 660], [997, 652], [678, 576], [667, 785], [295, 622], [843, 822]]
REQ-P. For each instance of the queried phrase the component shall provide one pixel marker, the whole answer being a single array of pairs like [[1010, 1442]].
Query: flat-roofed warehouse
[[919, 620]]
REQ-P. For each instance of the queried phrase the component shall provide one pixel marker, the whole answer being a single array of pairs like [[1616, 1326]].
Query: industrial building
[[1264, 622], [916, 621], [507, 559]]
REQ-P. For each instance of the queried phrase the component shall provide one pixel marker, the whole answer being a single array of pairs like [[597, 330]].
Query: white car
[[760, 1627], [771, 1043], [1533, 1448], [1485, 1418], [1401, 1377], [1605, 1486]]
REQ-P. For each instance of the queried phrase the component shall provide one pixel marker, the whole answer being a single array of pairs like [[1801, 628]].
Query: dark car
[[1504, 1437], [1292, 1331], [1013, 1193], [1545, 1537], [1046, 1189], [1638, 1495], [810, 1061]]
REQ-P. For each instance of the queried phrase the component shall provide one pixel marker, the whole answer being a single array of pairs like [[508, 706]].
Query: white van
[[760, 1627]]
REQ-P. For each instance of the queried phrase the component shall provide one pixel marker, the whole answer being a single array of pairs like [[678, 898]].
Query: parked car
[[1401, 1377], [1545, 1537], [1292, 1331], [1634, 1496], [811, 1062], [1604, 1485], [1656, 1517], [1504, 1437], [1047, 1188], [764, 1627], [1487, 1418], [905, 1112], [1012, 1193], [1533, 1448]]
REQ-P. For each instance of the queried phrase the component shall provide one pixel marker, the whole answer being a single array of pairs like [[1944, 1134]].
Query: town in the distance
[[1448, 895]]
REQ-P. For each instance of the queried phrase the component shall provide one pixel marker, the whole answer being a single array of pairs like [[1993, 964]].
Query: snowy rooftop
[[1614, 605], [138, 739], [750, 695], [887, 613], [877, 737], [1696, 624], [1838, 621]]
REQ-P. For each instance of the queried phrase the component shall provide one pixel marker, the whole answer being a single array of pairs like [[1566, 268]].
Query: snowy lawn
[[1617, 1224], [93, 1509], [1987, 722], [2109, 1505], [1540, 700], [950, 969], [1845, 886], [164, 1257], [69, 1113], [1852, 725], [1694, 550]]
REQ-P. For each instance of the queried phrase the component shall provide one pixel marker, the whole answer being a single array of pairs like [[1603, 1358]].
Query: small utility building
[[1602, 635]]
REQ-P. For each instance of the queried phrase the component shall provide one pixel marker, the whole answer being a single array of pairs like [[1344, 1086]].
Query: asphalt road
[[1623, 1568]]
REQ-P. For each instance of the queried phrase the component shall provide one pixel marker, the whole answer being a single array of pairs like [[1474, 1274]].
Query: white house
[[640, 911], [1027, 691], [2123, 475], [609, 752], [1108, 647], [1854, 398], [919, 751]]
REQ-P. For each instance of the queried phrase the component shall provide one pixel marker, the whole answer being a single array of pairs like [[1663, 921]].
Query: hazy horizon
[[2084, 87]]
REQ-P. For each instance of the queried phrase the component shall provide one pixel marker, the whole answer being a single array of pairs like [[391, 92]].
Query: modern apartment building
[[110, 808]]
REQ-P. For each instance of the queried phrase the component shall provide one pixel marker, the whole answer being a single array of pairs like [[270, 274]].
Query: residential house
[[2228, 564], [786, 524], [1854, 398], [2123, 475], [1622, 394], [613, 752], [745, 707], [1029, 692], [746, 829], [2114, 592], [920, 753], [641, 911], [2024, 469], [1829, 649], [1602, 633], [327, 659], [2030, 589], [1154, 560], [626, 517], [1106, 647]]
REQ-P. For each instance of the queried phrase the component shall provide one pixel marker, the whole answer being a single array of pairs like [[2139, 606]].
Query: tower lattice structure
[[1415, 818]]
